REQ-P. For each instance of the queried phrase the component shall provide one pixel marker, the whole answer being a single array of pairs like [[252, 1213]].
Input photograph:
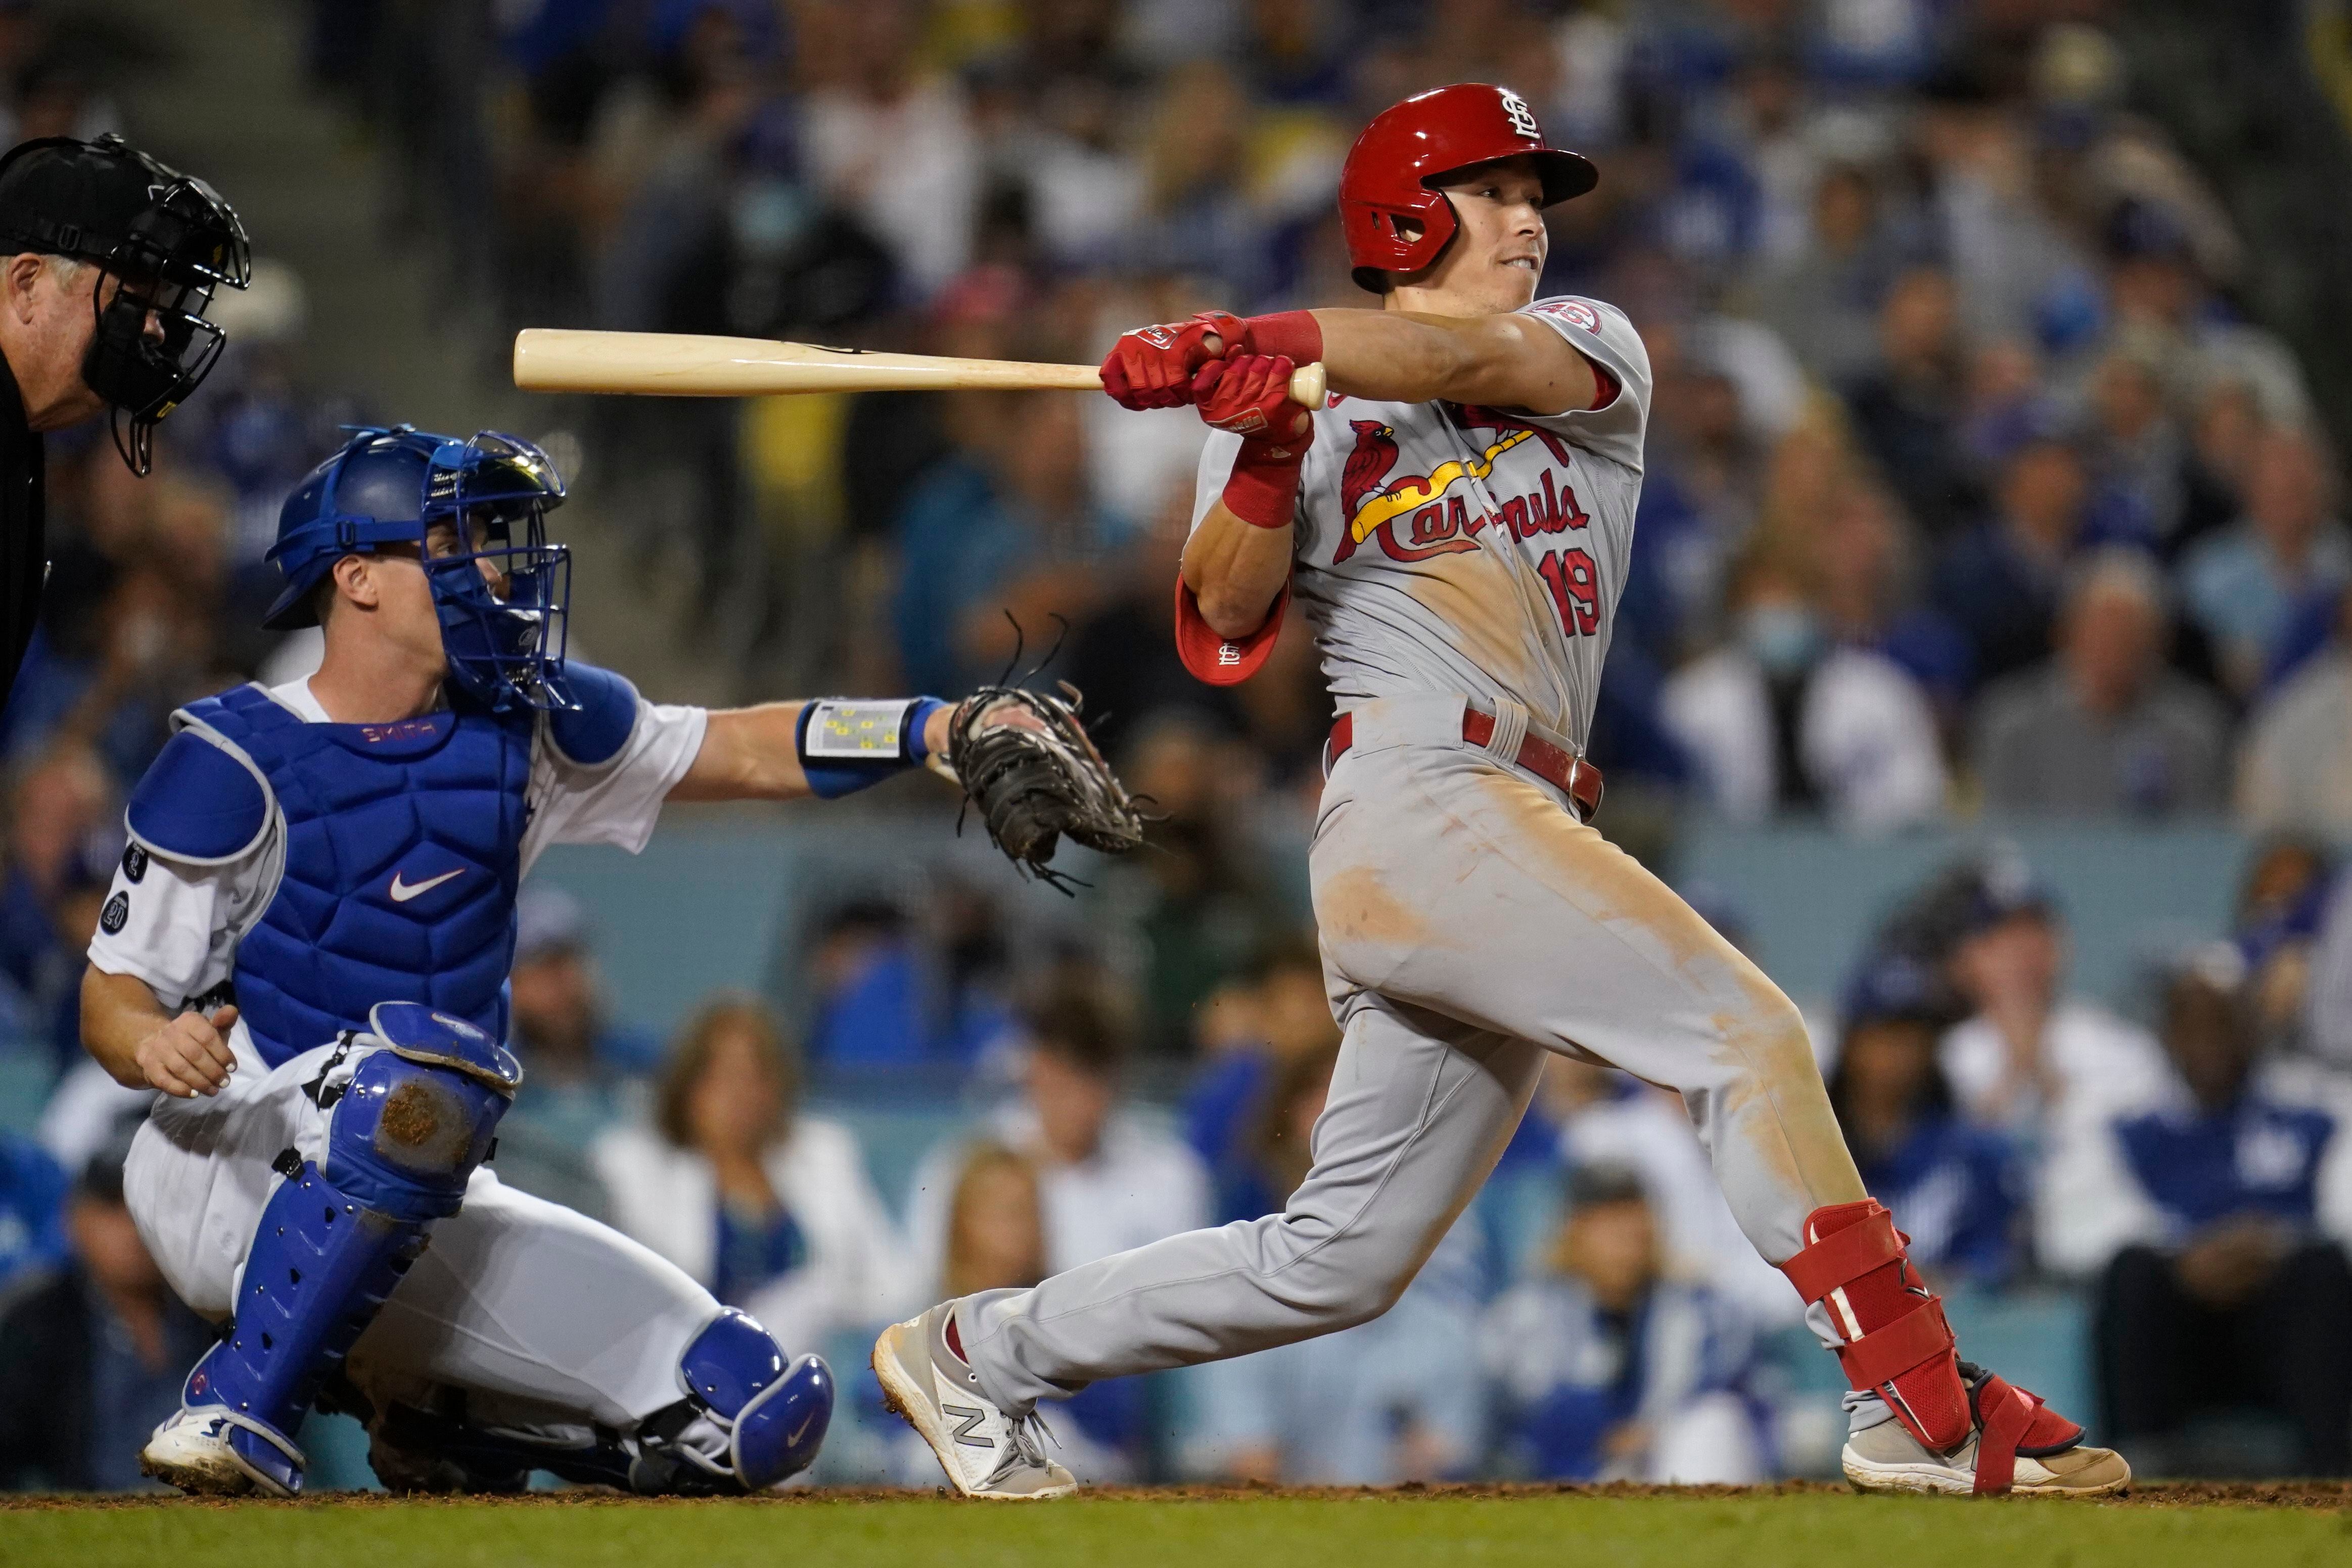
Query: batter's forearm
[[117, 1012], [1509, 360], [1236, 570]]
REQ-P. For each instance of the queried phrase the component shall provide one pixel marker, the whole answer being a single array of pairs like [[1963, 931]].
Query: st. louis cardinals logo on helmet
[[1522, 118]]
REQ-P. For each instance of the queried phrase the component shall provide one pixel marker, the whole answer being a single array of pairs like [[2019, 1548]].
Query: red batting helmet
[[1385, 185]]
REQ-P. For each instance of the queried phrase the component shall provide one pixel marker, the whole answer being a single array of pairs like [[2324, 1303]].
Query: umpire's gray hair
[[66, 270]]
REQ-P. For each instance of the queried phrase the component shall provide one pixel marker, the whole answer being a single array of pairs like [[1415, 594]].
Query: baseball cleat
[[1884, 1456], [985, 1453], [191, 1450], [1924, 1420]]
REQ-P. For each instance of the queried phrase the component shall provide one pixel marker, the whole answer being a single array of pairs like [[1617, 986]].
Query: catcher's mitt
[[1036, 776]]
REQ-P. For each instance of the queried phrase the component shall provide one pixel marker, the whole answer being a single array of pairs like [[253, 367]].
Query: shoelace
[[1022, 1446]]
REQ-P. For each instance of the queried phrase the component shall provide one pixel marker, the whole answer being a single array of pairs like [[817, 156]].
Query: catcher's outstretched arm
[[1023, 758], [761, 754]]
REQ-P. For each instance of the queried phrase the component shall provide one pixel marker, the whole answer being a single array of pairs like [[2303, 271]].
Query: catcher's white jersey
[[1446, 548]]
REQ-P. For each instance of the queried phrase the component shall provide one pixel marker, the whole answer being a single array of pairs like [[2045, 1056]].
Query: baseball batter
[[306, 949], [1456, 525]]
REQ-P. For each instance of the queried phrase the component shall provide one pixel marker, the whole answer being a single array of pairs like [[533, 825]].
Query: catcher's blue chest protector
[[402, 849]]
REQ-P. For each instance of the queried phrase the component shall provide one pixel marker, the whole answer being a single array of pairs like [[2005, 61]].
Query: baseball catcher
[[306, 948]]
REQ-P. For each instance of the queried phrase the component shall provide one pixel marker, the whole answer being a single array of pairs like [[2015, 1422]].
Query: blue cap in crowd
[[1891, 987], [1964, 901]]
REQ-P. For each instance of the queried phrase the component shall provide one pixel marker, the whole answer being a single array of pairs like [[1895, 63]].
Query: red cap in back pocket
[[1223, 661]]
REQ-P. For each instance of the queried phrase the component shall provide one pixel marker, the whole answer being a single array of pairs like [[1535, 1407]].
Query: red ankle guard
[[1897, 1344], [2013, 1422]]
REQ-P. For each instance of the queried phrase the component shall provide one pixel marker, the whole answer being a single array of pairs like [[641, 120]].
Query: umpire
[[108, 262]]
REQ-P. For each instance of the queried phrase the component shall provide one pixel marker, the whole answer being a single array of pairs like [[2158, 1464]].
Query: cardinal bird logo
[[1368, 465]]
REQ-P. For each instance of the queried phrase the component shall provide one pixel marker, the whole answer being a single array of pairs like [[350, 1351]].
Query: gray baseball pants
[[1469, 923]]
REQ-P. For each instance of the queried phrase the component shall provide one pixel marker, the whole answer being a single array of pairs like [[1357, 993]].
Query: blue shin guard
[[411, 1125]]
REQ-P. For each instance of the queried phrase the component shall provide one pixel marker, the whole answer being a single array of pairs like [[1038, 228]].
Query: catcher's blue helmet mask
[[505, 643]]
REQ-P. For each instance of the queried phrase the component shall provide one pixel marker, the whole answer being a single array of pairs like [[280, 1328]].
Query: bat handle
[[1306, 388]]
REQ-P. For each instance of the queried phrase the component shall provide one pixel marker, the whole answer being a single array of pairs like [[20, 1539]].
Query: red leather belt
[[1575, 777]]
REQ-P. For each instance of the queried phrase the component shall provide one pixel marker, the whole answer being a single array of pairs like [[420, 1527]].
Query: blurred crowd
[[1967, 487], [1969, 492]]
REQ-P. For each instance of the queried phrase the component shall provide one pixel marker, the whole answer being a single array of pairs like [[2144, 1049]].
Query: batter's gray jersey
[[1446, 548], [1469, 922]]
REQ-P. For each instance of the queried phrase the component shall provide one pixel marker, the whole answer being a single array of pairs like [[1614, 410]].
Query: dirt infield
[[2322, 1495]]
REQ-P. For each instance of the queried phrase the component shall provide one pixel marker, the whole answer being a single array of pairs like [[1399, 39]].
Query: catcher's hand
[[1023, 758]]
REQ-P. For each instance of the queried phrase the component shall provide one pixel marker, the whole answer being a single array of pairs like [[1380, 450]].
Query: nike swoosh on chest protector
[[404, 892]]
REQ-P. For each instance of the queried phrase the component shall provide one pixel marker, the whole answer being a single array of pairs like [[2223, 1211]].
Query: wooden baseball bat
[[677, 365]]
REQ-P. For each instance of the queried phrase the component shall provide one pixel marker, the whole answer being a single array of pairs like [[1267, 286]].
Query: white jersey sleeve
[[176, 926], [1601, 333], [615, 802]]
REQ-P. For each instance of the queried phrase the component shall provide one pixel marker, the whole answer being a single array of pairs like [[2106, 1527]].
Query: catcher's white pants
[[1469, 924], [544, 1316]]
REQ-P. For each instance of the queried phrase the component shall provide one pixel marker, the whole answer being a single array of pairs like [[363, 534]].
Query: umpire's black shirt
[[22, 559]]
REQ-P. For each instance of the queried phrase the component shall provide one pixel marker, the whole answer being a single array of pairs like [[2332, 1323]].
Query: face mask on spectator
[[1784, 639]]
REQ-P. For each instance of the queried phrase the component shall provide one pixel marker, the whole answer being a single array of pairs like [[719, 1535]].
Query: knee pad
[[775, 1414], [418, 1116]]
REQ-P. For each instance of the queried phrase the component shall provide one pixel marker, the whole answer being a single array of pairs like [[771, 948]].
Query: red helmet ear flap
[[1401, 236]]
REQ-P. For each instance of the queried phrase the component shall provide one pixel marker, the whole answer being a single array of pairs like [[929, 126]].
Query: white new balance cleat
[[985, 1453], [191, 1450]]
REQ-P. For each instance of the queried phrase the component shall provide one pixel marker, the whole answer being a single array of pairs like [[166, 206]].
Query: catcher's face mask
[[504, 595]]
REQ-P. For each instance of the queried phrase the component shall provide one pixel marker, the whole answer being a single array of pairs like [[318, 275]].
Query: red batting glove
[[1250, 396], [1152, 367]]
